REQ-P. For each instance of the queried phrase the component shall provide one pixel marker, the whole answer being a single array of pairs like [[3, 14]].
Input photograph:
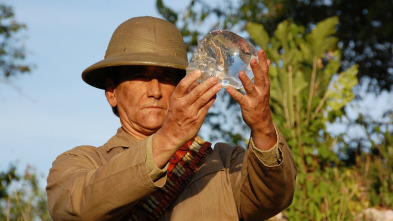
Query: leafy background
[[326, 57]]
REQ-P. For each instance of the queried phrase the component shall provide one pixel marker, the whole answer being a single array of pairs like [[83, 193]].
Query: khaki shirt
[[104, 183]]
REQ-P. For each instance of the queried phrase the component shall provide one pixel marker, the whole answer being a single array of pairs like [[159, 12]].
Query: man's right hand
[[187, 110]]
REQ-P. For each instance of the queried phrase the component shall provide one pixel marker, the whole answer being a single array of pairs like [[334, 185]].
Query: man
[[154, 167]]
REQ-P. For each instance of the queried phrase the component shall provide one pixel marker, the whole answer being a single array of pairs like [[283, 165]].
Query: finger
[[264, 66], [183, 86], [248, 85], [263, 61], [193, 85], [258, 75], [207, 106], [200, 89], [267, 80], [236, 95], [206, 96], [258, 69]]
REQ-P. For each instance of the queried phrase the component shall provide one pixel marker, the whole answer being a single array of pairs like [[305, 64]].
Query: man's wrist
[[162, 149], [154, 171], [269, 158], [264, 137]]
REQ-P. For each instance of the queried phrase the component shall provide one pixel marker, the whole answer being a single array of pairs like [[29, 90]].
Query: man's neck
[[137, 134]]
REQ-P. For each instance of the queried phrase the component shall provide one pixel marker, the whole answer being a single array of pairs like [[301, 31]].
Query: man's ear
[[110, 92]]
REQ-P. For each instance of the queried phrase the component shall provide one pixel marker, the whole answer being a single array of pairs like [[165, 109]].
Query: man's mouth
[[155, 107]]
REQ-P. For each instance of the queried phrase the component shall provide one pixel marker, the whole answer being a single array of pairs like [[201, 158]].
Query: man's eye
[[168, 79], [142, 77]]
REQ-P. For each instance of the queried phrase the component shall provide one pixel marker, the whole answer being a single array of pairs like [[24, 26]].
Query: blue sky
[[55, 110], [52, 110]]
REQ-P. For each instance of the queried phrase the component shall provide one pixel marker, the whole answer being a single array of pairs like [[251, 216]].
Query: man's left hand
[[255, 103]]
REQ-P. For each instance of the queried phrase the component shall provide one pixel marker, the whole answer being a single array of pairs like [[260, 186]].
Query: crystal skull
[[223, 54]]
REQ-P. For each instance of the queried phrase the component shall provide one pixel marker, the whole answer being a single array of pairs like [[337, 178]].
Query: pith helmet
[[140, 41]]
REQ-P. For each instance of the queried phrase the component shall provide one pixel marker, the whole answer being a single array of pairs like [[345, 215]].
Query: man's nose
[[154, 89]]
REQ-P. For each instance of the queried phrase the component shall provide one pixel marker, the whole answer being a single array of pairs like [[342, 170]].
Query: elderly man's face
[[142, 98]]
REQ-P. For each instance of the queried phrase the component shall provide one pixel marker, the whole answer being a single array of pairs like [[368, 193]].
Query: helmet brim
[[96, 74]]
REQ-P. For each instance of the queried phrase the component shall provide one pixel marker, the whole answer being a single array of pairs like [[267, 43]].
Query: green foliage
[[340, 92], [310, 88], [5, 180], [307, 91], [12, 52], [376, 168], [333, 194], [364, 31], [305, 86], [168, 13], [22, 198]]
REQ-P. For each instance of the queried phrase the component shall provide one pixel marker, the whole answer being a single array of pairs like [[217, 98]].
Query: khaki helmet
[[140, 41]]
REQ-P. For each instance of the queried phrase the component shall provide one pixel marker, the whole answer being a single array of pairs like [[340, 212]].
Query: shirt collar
[[121, 139]]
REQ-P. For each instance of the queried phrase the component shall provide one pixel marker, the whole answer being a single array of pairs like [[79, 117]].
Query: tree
[[21, 196], [364, 31], [307, 90], [310, 86], [12, 52]]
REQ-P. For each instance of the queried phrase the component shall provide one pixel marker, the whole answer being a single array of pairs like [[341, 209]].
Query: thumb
[[236, 95]]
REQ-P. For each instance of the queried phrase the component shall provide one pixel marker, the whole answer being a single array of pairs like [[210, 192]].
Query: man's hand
[[255, 103], [187, 110]]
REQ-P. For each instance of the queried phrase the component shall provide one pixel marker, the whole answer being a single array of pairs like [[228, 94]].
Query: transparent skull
[[223, 54]]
